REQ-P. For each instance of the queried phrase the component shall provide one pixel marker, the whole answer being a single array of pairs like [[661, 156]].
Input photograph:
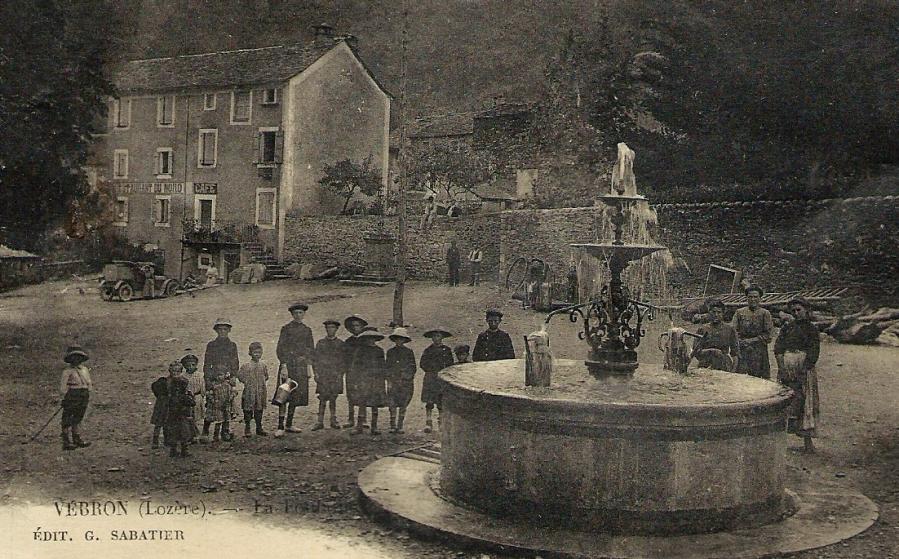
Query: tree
[[345, 178], [446, 170], [53, 91]]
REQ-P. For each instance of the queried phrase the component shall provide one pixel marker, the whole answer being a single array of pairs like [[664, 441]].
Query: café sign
[[206, 188]]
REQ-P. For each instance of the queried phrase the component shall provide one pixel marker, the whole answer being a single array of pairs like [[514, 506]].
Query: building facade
[[206, 154]]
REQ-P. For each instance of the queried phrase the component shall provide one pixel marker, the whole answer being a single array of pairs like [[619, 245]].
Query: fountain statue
[[605, 458]]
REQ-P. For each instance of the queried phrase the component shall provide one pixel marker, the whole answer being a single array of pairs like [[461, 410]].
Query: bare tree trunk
[[400, 287]]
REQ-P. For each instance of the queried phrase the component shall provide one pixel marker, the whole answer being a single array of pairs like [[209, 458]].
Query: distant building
[[205, 154]]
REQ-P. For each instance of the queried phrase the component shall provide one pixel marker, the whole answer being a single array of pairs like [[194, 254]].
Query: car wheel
[[125, 292], [171, 288]]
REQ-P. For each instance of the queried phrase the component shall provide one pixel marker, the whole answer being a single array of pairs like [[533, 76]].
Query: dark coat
[[179, 424], [433, 360], [220, 360], [493, 345], [354, 377], [329, 363], [368, 360], [160, 388], [799, 335], [400, 376], [295, 349], [453, 257]]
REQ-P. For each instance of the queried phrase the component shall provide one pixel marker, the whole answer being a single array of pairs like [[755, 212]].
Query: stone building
[[206, 154]]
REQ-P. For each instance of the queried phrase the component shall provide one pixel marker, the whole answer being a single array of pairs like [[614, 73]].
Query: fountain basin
[[657, 453], [624, 252]]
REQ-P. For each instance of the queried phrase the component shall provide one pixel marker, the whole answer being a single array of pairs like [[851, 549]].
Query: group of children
[[357, 366]]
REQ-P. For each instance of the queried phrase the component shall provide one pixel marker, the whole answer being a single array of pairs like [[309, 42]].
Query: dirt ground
[[130, 344]]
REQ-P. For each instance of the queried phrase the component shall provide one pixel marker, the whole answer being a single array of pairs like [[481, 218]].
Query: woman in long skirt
[[796, 350]]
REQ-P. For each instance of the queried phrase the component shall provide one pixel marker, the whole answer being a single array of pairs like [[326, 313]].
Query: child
[[354, 388], [462, 353], [400, 378], [253, 376], [369, 359], [197, 387], [75, 389], [220, 364], [328, 366], [179, 421], [434, 359], [160, 388]]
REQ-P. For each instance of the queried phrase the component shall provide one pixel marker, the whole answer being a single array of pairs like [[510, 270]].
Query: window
[[241, 107], [270, 96], [121, 112], [207, 147], [269, 146], [165, 110], [265, 208], [164, 160], [121, 211], [120, 164], [209, 101], [204, 260], [204, 210], [162, 209]]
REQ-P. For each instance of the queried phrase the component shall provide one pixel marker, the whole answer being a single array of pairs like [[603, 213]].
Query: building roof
[[6, 252], [221, 69], [503, 188]]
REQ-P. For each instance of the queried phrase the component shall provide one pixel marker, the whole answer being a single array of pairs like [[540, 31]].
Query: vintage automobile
[[125, 280]]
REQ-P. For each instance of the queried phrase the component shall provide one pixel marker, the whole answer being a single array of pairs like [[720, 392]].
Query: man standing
[[295, 350], [493, 344], [755, 329], [453, 261], [149, 280], [474, 259], [719, 347]]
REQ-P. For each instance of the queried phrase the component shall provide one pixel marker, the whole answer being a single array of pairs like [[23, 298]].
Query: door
[[231, 261]]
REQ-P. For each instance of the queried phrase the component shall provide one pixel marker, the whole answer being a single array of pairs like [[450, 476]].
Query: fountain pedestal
[[658, 453]]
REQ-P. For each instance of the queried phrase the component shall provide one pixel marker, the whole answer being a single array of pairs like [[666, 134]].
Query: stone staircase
[[273, 269]]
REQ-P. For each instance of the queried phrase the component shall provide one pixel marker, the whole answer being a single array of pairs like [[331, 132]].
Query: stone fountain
[[612, 459]]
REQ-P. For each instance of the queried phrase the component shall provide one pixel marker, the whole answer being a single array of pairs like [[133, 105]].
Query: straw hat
[[352, 318], [221, 322], [442, 331], [371, 334], [189, 357], [74, 351], [400, 332]]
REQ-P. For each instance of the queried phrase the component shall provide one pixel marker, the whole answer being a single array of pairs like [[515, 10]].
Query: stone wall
[[780, 245], [338, 241]]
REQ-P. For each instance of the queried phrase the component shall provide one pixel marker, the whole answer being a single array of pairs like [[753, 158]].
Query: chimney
[[323, 31]]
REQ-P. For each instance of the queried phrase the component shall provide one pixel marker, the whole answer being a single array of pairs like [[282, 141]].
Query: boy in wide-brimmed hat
[[369, 360], [328, 366], [253, 376], [295, 349], [75, 389], [220, 366], [400, 378], [434, 359], [354, 377]]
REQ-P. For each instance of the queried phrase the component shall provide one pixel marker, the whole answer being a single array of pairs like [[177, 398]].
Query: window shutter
[[158, 162], [279, 146], [257, 157]]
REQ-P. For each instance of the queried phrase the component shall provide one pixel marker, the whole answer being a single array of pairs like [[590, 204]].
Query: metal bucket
[[282, 393]]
